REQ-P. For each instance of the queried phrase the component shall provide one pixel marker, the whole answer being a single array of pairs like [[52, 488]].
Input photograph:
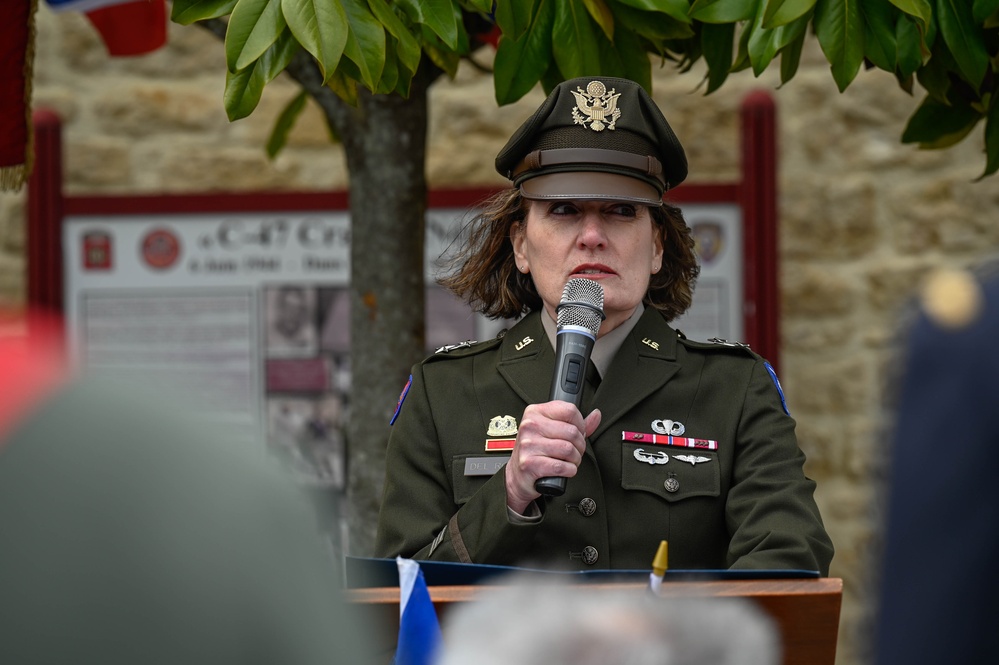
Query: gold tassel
[[12, 178]]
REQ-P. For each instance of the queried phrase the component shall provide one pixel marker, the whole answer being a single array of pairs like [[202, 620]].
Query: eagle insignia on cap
[[598, 104]]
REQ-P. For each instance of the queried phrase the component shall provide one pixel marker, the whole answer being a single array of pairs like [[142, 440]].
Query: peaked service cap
[[595, 137]]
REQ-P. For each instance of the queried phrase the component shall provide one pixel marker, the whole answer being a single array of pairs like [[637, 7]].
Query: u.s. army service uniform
[[742, 503]]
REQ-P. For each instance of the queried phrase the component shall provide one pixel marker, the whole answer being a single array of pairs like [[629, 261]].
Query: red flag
[[17, 49], [132, 28]]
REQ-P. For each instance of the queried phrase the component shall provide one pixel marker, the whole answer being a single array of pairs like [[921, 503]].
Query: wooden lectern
[[805, 610]]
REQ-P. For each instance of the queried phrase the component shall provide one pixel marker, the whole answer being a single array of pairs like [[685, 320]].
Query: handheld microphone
[[579, 315]]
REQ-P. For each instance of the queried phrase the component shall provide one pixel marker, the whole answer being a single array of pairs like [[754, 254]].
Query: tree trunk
[[385, 145]]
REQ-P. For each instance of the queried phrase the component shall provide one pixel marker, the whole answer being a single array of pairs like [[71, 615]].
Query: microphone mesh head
[[582, 304]]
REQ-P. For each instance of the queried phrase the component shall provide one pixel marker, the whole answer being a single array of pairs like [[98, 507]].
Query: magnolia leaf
[[345, 87], [839, 27], [919, 9], [365, 42], [765, 44], [601, 13], [909, 47], [438, 15], [964, 39], [790, 57], [445, 58], [284, 123], [321, 28], [573, 36], [992, 138], [514, 17], [678, 9], [186, 12], [880, 46], [253, 27], [407, 47], [723, 11], [782, 12], [983, 9], [520, 63], [717, 42], [243, 90], [276, 58], [741, 61], [654, 27], [482, 6], [389, 80], [935, 125]]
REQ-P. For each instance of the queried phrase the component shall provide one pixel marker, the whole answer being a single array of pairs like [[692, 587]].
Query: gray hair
[[556, 623]]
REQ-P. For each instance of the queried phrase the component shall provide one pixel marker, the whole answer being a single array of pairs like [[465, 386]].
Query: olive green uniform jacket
[[745, 505]]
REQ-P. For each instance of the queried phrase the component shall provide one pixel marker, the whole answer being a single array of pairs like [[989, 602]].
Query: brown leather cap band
[[590, 185], [539, 159]]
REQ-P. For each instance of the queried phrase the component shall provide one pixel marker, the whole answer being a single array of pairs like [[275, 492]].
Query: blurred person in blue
[[939, 587], [132, 534]]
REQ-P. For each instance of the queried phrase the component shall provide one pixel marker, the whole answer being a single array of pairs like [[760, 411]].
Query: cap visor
[[590, 185]]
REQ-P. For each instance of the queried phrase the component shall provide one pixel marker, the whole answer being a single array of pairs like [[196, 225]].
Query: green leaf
[[935, 125], [253, 27], [514, 17], [790, 57], [407, 47], [909, 43], [919, 9], [321, 28], [572, 38], [992, 138], [484, 7], [447, 59], [723, 11], [389, 80], [935, 74], [345, 87], [276, 58], [365, 42], [602, 15], [243, 90], [983, 9], [186, 12], [654, 27], [839, 27], [782, 12], [765, 44], [717, 43], [880, 45], [520, 63], [626, 57], [741, 61], [438, 15], [964, 39], [677, 9], [284, 123]]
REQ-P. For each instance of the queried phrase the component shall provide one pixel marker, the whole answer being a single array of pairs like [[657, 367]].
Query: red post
[[45, 210], [759, 203]]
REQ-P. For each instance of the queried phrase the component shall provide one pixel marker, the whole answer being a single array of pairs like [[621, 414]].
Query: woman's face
[[611, 242]]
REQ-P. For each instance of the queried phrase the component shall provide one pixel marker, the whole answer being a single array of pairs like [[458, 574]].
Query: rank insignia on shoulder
[[725, 342], [447, 348]]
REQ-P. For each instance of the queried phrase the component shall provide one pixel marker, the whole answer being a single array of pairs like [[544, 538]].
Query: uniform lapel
[[643, 364], [527, 360]]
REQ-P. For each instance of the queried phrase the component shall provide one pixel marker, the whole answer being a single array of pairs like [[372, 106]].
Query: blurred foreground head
[[575, 624], [132, 534]]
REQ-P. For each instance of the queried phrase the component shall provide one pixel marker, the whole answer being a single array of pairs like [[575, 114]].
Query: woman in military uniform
[[675, 440]]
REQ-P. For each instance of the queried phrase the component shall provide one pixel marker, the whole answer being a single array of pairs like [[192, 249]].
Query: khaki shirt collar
[[606, 346]]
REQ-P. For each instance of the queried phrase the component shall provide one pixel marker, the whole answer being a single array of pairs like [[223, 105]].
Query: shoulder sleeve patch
[[402, 398], [780, 391]]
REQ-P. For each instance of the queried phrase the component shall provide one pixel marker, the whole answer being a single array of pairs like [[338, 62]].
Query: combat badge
[[598, 104], [502, 431]]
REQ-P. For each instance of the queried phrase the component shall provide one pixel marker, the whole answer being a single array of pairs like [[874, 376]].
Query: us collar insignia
[[504, 428], [599, 105]]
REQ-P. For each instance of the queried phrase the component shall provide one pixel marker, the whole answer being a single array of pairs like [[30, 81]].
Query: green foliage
[[949, 48]]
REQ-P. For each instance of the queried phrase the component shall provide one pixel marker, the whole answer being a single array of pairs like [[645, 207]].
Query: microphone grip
[[572, 352]]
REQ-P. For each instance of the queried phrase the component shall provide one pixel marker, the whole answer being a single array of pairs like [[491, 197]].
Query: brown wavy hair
[[483, 271]]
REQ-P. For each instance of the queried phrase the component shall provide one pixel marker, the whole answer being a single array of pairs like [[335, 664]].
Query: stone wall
[[862, 217]]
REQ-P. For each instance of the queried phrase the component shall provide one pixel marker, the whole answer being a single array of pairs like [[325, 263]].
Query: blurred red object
[[32, 367]]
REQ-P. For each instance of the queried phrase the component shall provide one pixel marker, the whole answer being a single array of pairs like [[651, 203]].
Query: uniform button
[[587, 507], [590, 555]]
